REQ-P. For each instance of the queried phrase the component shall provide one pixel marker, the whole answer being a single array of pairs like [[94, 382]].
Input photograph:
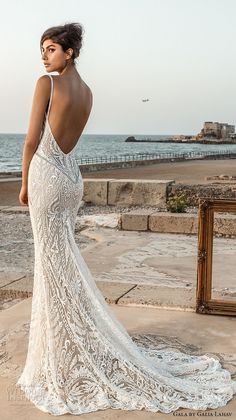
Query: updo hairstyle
[[69, 35]]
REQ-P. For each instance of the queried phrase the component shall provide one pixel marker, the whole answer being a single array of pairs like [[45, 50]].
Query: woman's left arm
[[40, 100]]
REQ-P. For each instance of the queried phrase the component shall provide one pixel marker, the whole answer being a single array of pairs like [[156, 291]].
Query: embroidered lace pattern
[[80, 357]]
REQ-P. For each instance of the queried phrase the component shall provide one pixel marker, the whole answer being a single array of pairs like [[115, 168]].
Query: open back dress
[[80, 358]]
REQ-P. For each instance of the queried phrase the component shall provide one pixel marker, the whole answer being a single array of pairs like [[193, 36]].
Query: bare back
[[71, 104]]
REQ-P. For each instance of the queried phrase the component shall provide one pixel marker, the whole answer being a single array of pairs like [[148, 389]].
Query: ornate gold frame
[[204, 302]]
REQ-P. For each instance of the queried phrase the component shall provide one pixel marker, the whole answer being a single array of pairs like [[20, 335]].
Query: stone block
[[135, 220], [131, 192], [95, 191], [173, 222]]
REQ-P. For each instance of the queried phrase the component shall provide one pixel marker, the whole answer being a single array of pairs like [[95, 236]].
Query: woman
[[80, 358]]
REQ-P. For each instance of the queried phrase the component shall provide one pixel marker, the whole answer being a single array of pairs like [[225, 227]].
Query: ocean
[[92, 145]]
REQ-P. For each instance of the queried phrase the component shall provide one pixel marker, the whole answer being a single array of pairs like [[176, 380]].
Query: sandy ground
[[192, 172]]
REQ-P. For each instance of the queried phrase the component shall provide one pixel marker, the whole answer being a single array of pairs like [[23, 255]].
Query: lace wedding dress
[[80, 358]]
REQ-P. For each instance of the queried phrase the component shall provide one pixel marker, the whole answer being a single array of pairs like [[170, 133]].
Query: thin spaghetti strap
[[50, 100]]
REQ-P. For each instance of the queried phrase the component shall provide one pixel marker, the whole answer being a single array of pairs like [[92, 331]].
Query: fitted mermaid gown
[[80, 357]]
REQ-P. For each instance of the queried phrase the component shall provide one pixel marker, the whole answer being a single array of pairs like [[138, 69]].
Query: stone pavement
[[141, 268], [179, 330], [148, 278]]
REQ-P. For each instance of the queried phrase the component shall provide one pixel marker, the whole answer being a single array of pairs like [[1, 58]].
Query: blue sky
[[178, 53]]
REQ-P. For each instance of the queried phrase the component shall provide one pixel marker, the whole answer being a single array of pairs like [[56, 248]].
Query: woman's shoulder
[[88, 88], [43, 86], [44, 80]]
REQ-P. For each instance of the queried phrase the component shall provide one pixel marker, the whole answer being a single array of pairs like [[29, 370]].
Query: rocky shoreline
[[132, 139]]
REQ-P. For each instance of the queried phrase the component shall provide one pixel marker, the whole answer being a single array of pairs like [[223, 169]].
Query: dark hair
[[69, 35]]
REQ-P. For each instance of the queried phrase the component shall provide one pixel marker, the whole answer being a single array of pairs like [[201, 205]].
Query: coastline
[[184, 141], [149, 168]]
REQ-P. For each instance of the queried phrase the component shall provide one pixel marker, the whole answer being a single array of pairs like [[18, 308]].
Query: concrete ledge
[[138, 192]]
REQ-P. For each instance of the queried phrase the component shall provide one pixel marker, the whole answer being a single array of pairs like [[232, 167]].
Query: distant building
[[217, 130]]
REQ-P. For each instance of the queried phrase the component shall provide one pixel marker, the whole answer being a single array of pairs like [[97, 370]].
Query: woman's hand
[[23, 196]]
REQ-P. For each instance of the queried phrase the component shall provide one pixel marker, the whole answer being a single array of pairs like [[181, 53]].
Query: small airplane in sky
[[145, 100]]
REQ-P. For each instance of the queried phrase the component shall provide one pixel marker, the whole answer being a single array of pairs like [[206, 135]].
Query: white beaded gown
[[80, 358]]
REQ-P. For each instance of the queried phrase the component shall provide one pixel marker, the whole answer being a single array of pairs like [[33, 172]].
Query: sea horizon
[[110, 145]]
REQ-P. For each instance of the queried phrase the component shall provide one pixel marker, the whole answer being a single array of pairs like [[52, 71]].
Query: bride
[[80, 358]]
